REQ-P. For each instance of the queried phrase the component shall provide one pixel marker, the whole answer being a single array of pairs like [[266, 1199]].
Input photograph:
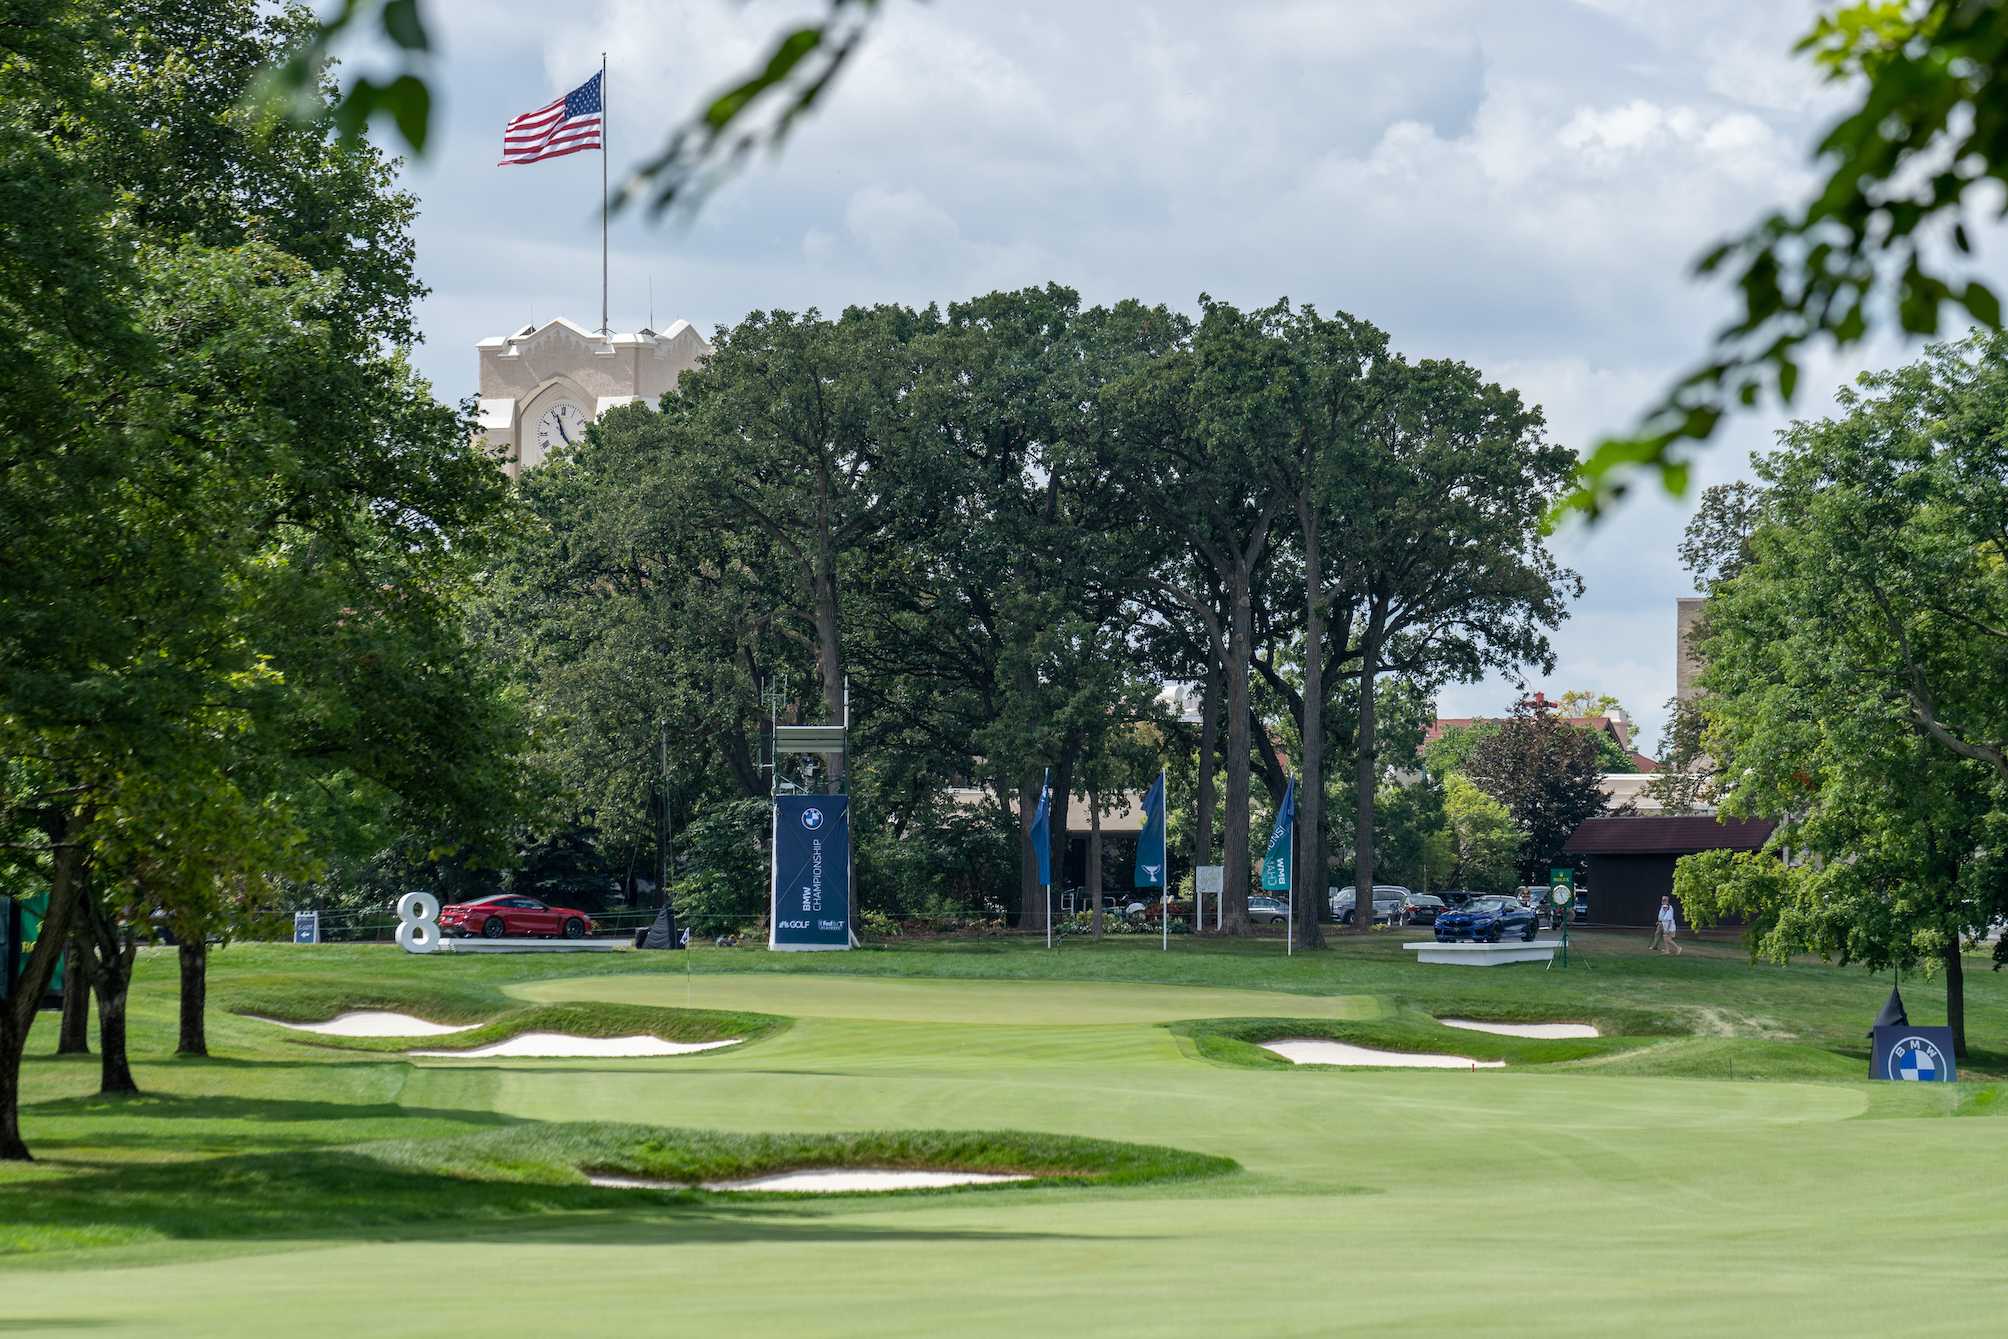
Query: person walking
[[1663, 928]]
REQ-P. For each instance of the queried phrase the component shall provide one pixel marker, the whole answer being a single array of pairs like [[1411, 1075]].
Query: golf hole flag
[[1277, 863], [1042, 831], [1150, 852]]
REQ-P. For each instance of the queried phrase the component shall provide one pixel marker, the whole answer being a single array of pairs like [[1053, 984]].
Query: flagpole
[[1164, 859], [604, 118]]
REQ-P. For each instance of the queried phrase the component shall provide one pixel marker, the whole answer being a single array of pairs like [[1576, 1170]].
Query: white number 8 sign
[[418, 922]]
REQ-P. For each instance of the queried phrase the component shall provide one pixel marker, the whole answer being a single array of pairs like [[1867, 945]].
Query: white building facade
[[543, 384]]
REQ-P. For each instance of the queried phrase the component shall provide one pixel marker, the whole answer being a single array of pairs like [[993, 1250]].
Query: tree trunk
[[1366, 774], [1234, 890], [194, 955], [1063, 780], [111, 979], [1095, 858], [1955, 997], [74, 1036], [1209, 749], [1028, 862], [114, 1073], [17, 1011], [1309, 838]]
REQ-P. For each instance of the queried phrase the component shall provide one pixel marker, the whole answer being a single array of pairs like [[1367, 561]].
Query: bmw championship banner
[[1282, 842], [1150, 849], [812, 872], [1041, 833], [1910, 1054]]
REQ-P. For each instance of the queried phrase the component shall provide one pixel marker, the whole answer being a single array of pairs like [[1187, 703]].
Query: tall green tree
[[1195, 435], [1548, 775], [1447, 544], [1853, 663], [236, 492]]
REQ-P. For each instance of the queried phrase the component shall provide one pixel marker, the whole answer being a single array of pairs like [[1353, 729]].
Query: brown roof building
[[1629, 860]]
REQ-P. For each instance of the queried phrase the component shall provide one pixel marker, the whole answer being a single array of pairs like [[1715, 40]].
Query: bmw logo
[[1916, 1060], [812, 819]]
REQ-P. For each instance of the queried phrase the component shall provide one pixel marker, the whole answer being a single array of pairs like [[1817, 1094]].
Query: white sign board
[[1212, 879]]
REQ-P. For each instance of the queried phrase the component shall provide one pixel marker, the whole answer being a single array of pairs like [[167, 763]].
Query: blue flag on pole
[[1150, 854], [1042, 831], [1276, 865]]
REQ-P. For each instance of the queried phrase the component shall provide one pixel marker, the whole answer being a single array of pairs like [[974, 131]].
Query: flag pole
[[604, 127], [1164, 860]]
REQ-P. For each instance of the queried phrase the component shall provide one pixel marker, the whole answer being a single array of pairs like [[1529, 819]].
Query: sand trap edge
[[370, 1023], [564, 1046], [1539, 1031], [826, 1181], [1324, 1051]]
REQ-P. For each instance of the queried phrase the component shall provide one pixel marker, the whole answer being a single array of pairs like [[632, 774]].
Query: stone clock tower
[[543, 384]]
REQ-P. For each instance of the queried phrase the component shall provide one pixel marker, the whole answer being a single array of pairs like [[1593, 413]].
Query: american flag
[[569, 125]]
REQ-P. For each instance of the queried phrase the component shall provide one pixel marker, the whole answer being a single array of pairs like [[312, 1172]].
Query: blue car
[[1489, 919]]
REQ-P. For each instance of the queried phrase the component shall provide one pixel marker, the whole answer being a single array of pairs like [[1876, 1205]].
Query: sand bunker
[[1545, 1031], [829, 1180], [373, 1023], [1312, 1051], [558, 1046]]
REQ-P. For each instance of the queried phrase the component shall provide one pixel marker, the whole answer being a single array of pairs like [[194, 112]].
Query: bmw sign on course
[[1913, 1055], [811, 905]]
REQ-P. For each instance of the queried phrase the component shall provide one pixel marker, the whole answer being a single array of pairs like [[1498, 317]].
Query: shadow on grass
[[345, 1195], [162, 1123]]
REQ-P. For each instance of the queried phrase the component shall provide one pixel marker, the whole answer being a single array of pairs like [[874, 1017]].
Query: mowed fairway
[[1592, 1196]]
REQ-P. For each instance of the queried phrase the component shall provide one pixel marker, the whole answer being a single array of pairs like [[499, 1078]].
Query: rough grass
[[566, 1154], [528, 1175]]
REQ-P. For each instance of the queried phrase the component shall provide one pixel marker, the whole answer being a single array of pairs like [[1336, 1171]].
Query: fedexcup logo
[[1150, 872], [812, 819], [1916, 1060]]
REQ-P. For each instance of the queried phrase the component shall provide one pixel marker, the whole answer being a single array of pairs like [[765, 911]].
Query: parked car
[[1423, 908], [1388, 898], [1489, 919], [501, 914], [1267, 911], [1457, 897]]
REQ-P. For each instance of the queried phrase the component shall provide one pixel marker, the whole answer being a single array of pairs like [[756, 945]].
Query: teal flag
[[1150, 853], [1277, 864], [1042, 831]]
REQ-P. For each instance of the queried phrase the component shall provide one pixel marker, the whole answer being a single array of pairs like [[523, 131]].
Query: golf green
[[1587, 1198]]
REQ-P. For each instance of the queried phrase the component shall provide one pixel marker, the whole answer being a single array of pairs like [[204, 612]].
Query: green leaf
[[402, 24], [1980, 301]]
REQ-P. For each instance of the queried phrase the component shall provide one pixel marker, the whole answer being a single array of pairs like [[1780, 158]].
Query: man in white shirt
[[1662, 932]]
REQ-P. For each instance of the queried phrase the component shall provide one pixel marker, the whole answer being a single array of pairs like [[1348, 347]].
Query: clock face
[[561, 425]]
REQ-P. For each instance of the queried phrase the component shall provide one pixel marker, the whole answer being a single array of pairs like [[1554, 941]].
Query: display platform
[[1463, 954], [447, 945]]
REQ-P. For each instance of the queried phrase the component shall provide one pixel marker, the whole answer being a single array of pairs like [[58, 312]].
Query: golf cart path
[[944, 1000]]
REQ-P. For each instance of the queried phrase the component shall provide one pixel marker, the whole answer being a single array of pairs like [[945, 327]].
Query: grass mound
[[1238, 1041], [564, 1155], [581, 1020]]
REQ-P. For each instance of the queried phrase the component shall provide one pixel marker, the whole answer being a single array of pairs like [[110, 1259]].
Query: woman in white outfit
[[1662, 931]]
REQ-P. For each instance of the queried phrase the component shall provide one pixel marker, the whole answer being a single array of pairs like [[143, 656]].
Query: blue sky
[[1523, 186]]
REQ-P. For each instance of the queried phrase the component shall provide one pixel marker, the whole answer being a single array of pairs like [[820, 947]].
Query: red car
[[505, 914]]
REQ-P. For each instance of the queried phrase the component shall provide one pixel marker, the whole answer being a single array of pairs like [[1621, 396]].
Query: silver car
[[1389, 900]]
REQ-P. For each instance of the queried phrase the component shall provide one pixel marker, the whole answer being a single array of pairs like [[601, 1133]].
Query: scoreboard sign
[[1913, 1055]]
